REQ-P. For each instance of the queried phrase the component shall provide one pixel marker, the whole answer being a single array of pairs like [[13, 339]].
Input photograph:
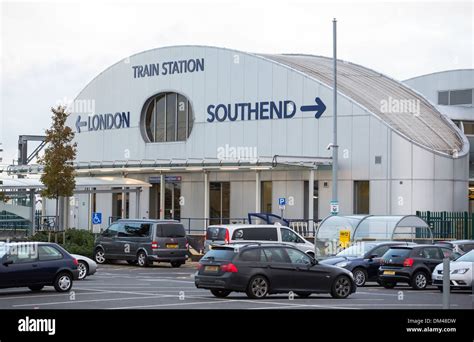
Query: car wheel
[[83, 269], [341, 288], [36, 287], [258, 287], [360, 276], [388, 285], [63, 282], [303, 294], [99, 256], [419, 281], [176, 264], [142, 259], [220, 293]]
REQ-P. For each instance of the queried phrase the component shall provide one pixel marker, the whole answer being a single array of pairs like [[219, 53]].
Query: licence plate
[[211, 268], [389, 272], [171, 245]]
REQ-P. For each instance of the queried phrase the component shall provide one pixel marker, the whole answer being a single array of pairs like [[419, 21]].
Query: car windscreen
[[469, 257], [219, 254], [357, 250], [171, 230], [215, 233]]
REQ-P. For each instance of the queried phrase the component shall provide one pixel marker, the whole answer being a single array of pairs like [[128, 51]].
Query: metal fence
[[196, 225], [449, 225]]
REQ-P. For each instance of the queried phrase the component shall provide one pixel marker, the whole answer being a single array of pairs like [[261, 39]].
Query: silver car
[[85, 266]]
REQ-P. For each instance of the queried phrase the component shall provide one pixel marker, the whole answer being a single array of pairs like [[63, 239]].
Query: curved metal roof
[[426, 127]]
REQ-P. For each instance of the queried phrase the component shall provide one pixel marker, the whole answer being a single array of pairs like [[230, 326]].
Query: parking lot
[[120, 286]]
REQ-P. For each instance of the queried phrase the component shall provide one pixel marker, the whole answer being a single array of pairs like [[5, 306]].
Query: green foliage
[[78, 241], [58, 171]]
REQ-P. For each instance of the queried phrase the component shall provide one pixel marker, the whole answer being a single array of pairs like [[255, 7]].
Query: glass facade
[[266, 197], [219, 202], [361, 197]]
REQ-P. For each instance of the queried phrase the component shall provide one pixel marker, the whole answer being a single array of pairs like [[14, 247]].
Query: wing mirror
[[7, 262], [314, 262], [372, 256]]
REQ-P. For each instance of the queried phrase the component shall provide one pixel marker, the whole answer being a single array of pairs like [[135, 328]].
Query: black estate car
[[261, 269], [35, 265], [362, 259], [142, 242], [410, 264]]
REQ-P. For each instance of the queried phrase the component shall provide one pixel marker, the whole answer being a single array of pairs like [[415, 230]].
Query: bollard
[[446, 283]]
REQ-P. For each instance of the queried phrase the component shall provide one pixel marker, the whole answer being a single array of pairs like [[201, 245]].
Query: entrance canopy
[[276, 162], [81, 183]]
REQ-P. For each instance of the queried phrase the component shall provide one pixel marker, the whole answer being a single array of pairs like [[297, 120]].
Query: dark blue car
[[35, 265], [362, 259]]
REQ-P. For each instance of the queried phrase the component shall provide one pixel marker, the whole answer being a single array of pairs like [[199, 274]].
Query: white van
[[264, 233]]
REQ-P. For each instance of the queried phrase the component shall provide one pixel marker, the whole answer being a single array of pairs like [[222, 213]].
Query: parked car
[[142, 242], [262, 269], [86, 266], [35, 265], [459, 246], [461, 273], [410, 264], [226, 234], [362, 259]]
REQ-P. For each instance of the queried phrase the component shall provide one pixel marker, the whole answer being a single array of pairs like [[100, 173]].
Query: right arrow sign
[[318, 108]]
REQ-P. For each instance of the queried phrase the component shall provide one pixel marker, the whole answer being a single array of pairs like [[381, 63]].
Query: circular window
[[167, 117]]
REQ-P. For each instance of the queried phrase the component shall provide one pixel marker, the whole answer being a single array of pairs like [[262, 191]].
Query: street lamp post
[[334, 146]]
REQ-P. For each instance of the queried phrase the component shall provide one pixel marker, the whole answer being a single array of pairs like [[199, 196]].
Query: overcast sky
[[51, 50]]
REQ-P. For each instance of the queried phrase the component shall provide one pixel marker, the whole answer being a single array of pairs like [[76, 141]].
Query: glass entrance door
[[219, 202], [172, 198]]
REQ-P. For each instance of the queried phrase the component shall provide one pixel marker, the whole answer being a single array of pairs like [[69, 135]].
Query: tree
[[58, 171], [3, 198]]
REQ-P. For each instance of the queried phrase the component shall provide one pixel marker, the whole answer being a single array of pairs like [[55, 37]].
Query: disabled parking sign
[[96, 218]]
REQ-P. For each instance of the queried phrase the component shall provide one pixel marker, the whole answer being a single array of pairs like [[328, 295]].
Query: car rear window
[[171, 230], [215, 233], [397, 253], [256, 234], [219, 254]]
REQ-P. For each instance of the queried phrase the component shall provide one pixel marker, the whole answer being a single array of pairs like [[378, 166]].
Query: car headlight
[[460, 271], [342, 264]]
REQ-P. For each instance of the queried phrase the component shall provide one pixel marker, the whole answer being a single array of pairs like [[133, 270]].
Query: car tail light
[[154, 245], [408, 262], [187, 245], [227, 238], [199, 266], [229, 268], [75, 262]]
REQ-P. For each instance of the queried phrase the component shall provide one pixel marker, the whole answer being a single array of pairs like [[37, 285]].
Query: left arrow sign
[[80, 124]]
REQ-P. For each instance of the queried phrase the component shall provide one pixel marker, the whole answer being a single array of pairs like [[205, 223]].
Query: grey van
[[142, 242]]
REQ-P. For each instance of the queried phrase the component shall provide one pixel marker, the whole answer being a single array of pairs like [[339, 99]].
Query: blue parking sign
[[282, 201], [96, 218]]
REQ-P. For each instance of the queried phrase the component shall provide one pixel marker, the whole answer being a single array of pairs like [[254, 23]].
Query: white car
[[263, 233], [461, 273], [86, 266]]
